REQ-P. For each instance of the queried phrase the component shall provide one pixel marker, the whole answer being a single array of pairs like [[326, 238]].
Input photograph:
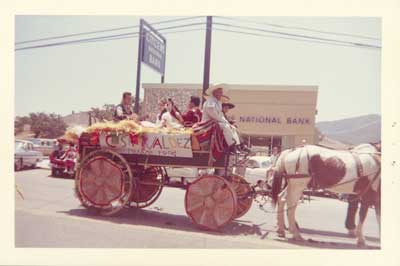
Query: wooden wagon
[[115, 172]]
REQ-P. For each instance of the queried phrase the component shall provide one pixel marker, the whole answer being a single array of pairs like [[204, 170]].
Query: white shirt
[[168, 120], [212, 110]]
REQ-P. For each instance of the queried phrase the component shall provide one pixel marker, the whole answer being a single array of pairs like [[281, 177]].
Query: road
[[50, 216]]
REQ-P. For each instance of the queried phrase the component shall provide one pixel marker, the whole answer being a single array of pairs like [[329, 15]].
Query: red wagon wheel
[[104, 182], [244, 198], [210, 202], [149, 184]]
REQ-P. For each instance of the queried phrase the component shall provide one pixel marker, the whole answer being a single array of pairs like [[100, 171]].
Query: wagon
[[128, 170]]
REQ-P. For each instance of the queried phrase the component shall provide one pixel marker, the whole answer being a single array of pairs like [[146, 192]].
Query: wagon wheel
[[244, 198], [210, 202], [149, 184], [104, 182]]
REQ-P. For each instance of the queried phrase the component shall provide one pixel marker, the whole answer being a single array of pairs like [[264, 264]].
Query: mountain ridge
[[353, 130]]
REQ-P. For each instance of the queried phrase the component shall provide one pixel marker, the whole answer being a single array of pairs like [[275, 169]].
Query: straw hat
[[229, 105], [226, 101], [212, 88]]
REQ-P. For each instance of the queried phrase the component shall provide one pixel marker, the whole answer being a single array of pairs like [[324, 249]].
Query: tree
[[106, 112], [102, 114], [42, 124], [20, 122]]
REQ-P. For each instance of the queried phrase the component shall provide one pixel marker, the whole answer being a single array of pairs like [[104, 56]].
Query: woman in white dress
[[164, 118]]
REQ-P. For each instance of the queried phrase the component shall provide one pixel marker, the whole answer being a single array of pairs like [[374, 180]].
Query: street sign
[[153, 51]]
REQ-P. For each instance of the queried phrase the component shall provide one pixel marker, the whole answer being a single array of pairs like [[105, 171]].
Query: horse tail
[[276, 186]]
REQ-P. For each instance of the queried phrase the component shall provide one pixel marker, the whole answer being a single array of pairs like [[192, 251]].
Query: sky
[[68, 78]]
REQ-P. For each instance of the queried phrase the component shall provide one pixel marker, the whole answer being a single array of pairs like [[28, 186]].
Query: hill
[[353, 130]]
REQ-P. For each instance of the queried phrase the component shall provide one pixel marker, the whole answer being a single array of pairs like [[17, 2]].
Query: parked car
[[25, 155], [45, 146], [257, 167]]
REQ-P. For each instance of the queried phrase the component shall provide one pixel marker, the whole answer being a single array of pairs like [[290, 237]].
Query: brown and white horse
[[355, 171]]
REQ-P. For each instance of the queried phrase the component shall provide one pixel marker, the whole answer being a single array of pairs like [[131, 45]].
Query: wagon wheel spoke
[[112, 189], [95, 171], [104, 182], [210, 210], [244, 198], [207, 218], [220, 195]]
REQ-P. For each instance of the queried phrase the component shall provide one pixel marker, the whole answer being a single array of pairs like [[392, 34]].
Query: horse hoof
[[352, 233], [281, 233], [361, 244], [298, 239]]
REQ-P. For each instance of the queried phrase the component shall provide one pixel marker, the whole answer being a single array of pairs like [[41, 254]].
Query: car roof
[[260, 158], [23, 141]]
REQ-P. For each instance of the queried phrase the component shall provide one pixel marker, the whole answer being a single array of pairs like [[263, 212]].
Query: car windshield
[[253, 164], [18, 145], [265, 164], [35, 141]]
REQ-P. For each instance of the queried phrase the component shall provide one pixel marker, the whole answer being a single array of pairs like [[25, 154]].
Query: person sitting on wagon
[[124, 110], [58, 151], [226, 106], [165, 118], [193, 114], [212, 110], [69, 157]]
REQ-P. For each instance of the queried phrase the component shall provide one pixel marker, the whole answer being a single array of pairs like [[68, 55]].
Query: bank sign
[[273, 120], [153, 51]]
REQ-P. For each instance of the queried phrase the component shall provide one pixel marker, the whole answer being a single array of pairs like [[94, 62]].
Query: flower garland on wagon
[[122, 127]]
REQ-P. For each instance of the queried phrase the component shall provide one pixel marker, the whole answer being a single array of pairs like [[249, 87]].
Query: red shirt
[[191, 117]]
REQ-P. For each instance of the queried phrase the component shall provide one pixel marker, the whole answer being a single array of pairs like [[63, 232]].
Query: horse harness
[[361, 174], [313, 182]]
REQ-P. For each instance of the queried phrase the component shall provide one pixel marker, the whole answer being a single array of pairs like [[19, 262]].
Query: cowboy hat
[[229, 105], [224, 98], [212, 88]]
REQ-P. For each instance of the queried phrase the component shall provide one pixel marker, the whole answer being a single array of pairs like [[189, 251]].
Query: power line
[[300, 28], [297, 35], [135, 36], [105, 30], [287, 38], [102, 37]]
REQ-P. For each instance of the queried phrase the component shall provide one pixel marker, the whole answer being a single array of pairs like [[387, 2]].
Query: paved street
[[50, 216]]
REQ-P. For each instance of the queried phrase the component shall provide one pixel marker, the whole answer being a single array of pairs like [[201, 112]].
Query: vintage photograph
[[204, 132]]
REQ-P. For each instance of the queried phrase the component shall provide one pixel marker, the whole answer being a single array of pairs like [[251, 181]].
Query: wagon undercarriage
[[108, 181]]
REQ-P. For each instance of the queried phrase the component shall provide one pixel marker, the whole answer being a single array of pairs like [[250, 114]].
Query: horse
[[354, 171]]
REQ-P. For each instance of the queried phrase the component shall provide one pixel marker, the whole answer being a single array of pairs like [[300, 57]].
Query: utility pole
[[207, 55], [139, 67]]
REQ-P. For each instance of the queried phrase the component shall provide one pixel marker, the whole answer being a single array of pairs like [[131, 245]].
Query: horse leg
[[377, 207], [352, 209], [359, 230], [280, 214], [294, 191]]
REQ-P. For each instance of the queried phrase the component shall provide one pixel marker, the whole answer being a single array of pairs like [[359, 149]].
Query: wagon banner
[[157, 144]]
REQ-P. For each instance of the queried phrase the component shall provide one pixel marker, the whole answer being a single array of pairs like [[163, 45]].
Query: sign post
[[151, 51], [207, 58]]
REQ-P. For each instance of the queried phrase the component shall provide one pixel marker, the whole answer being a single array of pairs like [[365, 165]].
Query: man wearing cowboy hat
[[212, 110]]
